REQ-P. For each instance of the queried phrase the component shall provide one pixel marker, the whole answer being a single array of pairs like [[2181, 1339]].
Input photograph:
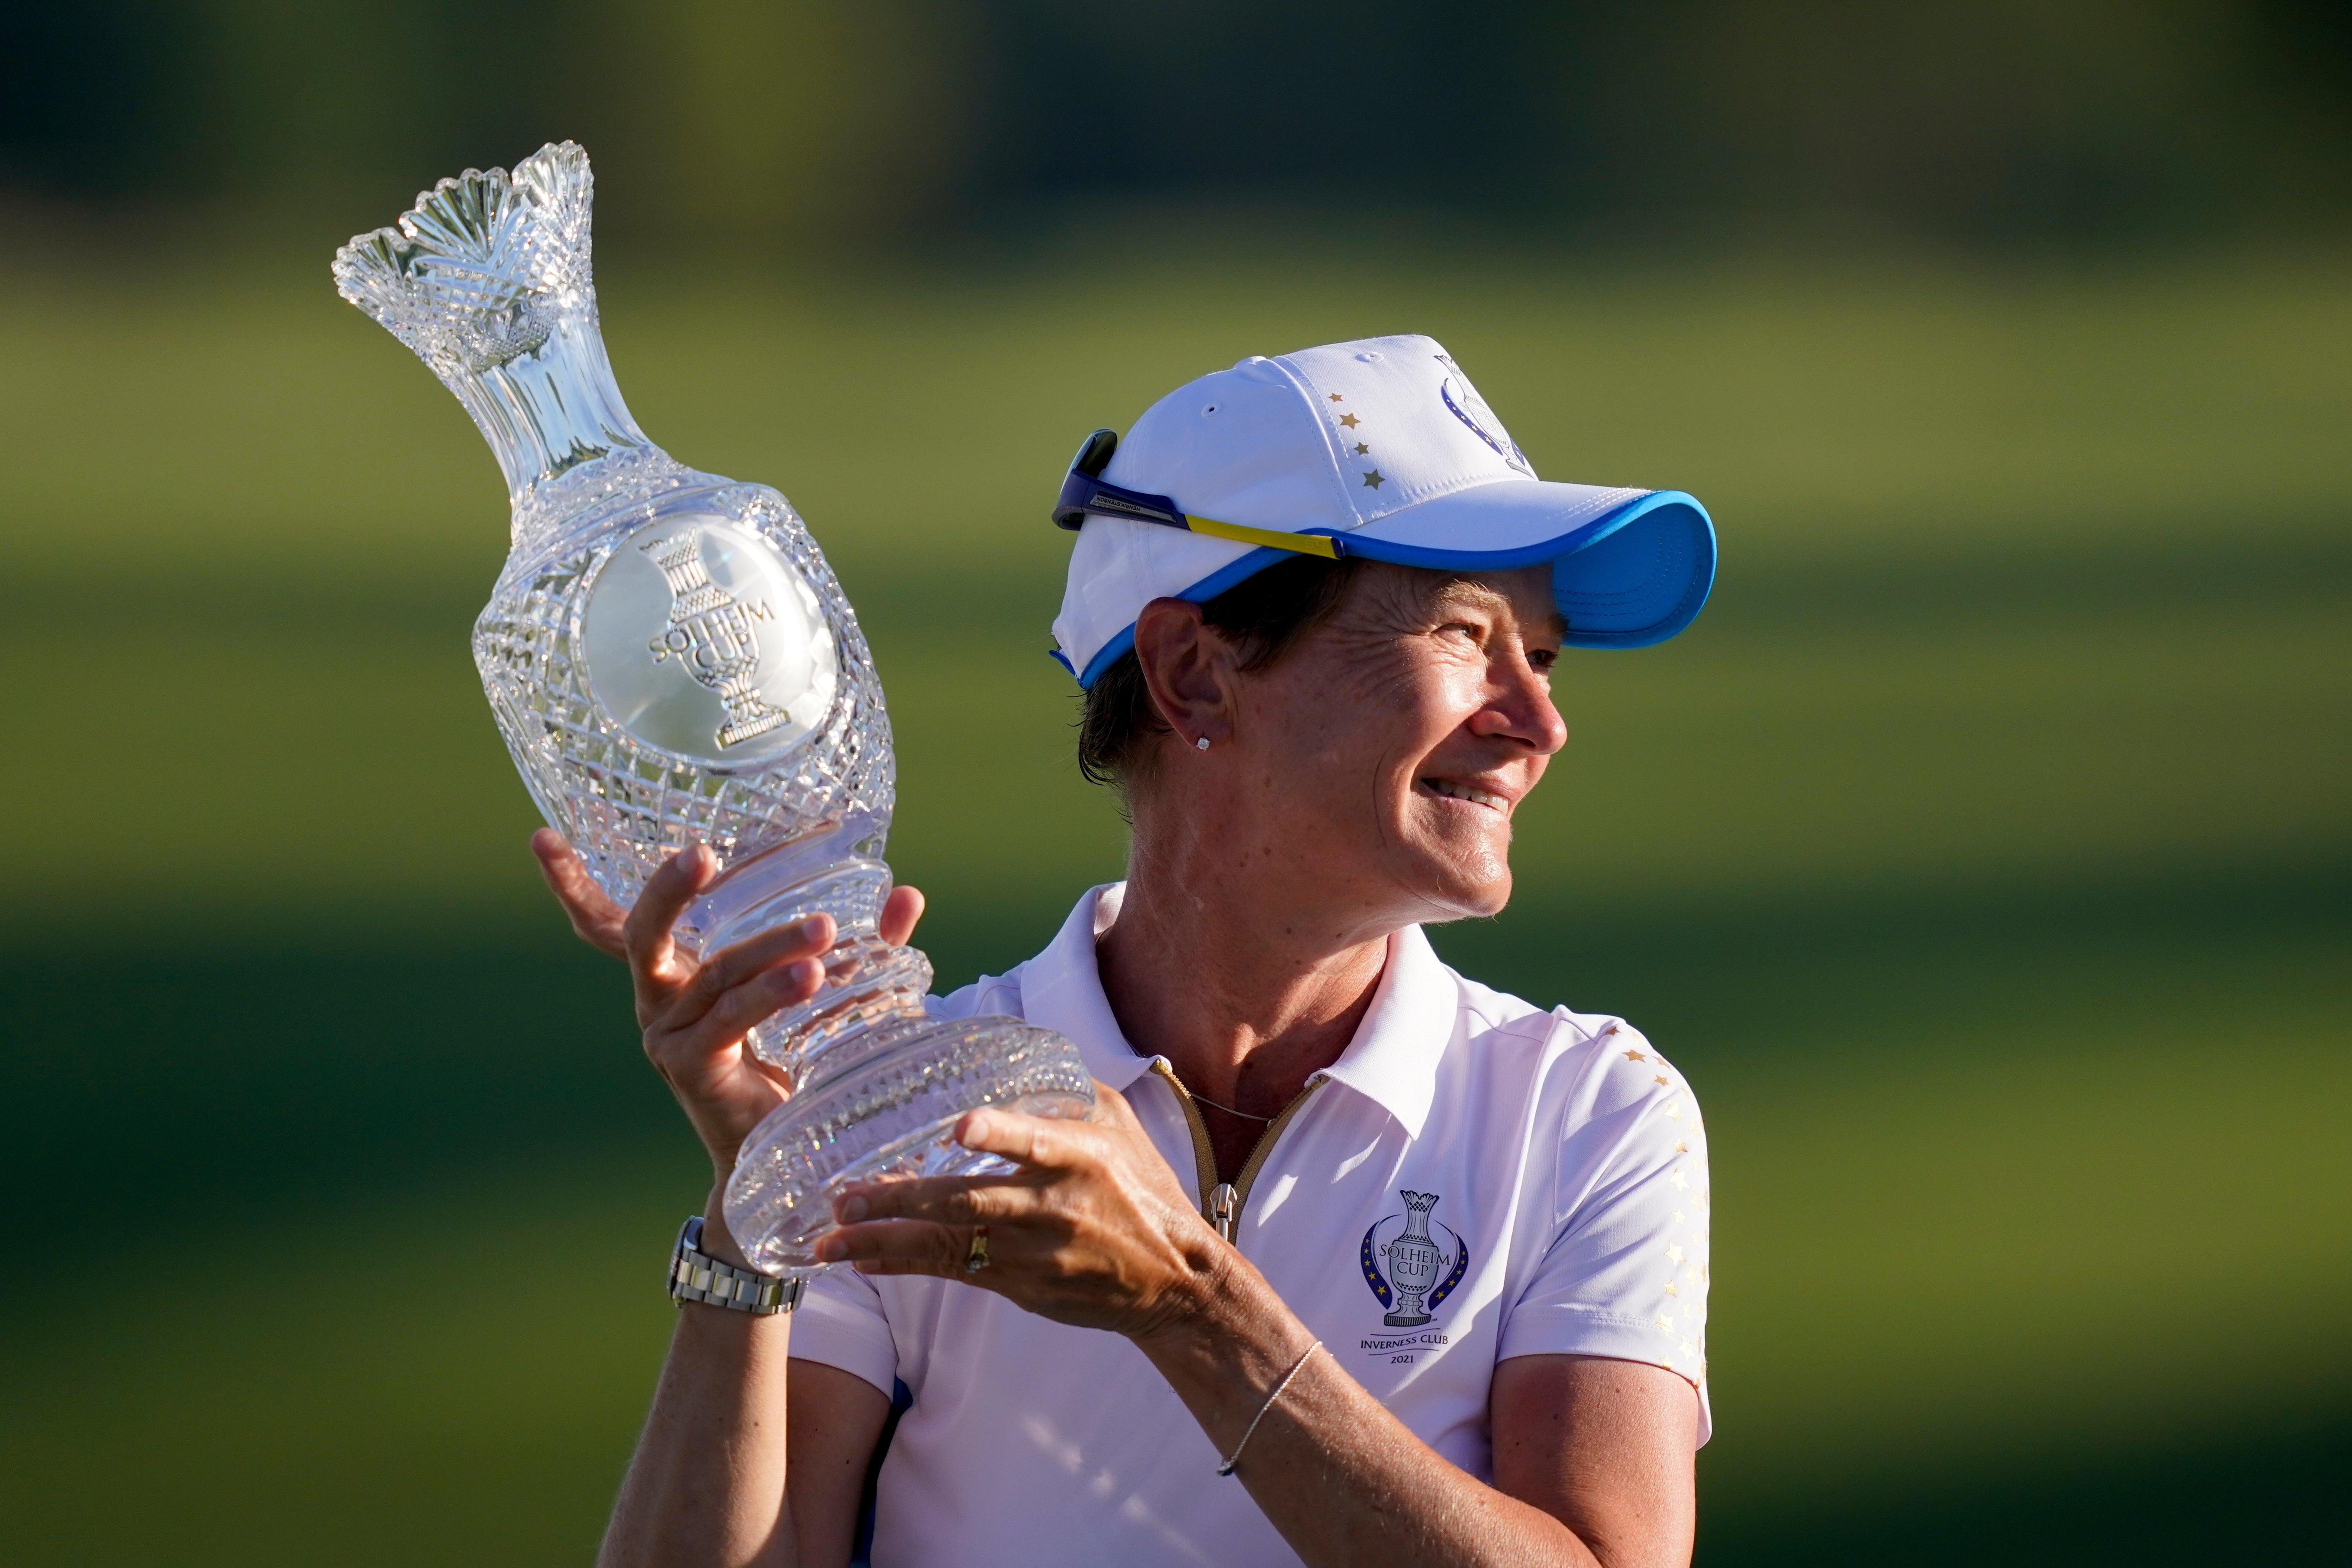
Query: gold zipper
[[1221, 1202]]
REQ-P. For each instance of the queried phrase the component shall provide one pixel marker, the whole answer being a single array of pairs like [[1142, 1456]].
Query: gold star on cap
[[1350, 420], [1635, 1056], [1362, 449], [1660, 1078], [1375, 479], [1336, 398]]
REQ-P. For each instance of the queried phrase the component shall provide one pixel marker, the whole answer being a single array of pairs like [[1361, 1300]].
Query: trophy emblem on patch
[[1422, 1269]]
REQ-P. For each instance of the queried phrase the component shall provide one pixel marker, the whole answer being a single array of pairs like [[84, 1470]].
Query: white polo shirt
[[1477, 1180]]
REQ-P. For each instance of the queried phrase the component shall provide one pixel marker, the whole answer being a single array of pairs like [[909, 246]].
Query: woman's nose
[[1522, 709]]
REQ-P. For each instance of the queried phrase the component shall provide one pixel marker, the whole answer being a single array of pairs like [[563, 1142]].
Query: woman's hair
[[1265, 613]]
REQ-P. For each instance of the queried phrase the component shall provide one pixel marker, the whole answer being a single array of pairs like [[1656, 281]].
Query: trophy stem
[[869, 982]]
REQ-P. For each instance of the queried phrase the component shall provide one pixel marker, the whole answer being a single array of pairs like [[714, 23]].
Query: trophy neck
[[551, 411]]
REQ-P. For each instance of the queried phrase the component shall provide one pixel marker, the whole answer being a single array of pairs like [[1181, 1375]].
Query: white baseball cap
[[1380, 448]]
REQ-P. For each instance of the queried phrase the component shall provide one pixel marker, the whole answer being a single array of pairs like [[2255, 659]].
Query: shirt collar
[[1061, 990], [1393, 1060]]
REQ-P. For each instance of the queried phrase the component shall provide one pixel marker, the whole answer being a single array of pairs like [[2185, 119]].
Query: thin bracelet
[[1295, 1367]]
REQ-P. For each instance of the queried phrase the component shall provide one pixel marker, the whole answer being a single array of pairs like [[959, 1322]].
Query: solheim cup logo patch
[[1422, 1269], [1463, 400]]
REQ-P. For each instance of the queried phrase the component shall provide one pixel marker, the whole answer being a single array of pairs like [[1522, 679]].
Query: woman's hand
[[696, 1014], [1093, 1229]]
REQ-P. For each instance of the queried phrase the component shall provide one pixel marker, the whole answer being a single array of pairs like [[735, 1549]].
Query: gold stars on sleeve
[[1362, 449], [1374, 479], [1635, 1056], [1336, 398], [1661, 1079], [1350, 420]]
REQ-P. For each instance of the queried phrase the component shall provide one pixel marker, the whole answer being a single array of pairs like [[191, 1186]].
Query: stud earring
[[1202, 745]]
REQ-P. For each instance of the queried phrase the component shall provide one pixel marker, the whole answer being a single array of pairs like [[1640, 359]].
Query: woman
[[1418, 1266]]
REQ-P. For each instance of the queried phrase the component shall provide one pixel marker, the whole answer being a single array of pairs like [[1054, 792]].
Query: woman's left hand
[[1092, 1230]]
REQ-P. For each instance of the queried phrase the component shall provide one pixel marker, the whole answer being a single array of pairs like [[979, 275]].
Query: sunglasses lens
[[1094, 453]]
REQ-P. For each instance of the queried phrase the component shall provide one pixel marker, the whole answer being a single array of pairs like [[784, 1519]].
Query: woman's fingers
[[787, 944], [1045, 1141], [901, 910], [942, 1200], [645, 934], [596, 920], [898, 1246], [736, 1011]]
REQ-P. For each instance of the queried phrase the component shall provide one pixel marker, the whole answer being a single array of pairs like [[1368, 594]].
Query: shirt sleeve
[[840, 1324], [1625, 1275]]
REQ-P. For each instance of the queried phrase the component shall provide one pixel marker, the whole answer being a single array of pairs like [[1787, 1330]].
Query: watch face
[[689, 1236]]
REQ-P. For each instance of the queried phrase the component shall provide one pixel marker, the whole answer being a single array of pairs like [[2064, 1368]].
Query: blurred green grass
[[1981, 854]]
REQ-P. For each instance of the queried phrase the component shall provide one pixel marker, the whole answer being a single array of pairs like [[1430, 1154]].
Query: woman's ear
[[1188, 668]]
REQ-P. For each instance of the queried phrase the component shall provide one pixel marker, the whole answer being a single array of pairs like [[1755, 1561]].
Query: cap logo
[[1472, 410]]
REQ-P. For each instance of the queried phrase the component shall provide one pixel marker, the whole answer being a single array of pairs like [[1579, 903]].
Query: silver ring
[[975, 1258]]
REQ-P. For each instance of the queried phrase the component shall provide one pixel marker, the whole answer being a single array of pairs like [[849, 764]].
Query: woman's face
[[1384, 754]]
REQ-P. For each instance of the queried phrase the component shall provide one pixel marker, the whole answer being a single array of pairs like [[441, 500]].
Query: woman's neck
[[1247, 982]]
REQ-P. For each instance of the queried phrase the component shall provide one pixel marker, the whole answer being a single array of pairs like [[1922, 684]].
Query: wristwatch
[[695, 1278]]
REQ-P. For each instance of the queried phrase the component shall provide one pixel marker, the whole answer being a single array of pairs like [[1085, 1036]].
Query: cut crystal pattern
[[488, 280]]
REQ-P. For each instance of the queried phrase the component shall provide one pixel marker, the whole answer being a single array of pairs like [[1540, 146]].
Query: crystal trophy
[[671, 660]]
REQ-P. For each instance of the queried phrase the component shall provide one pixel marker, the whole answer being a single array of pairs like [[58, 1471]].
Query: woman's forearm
[[706, 1484], [1343, 1479]]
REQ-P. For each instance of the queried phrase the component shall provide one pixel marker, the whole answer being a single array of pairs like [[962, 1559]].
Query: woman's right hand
[[696, 1014]]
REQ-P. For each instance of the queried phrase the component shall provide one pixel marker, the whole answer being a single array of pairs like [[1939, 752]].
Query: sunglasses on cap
[[1085, 490]]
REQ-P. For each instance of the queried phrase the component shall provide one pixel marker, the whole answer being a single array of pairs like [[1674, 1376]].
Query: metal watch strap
[[694, 1276]]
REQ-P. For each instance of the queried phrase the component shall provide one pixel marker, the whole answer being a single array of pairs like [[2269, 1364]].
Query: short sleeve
[[839, 1322], [1625, 1275]]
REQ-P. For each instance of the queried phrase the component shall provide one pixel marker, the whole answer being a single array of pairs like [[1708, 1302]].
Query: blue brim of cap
[[1628, 570]]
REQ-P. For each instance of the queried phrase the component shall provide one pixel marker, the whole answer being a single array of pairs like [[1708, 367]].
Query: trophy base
[[888, 1099]]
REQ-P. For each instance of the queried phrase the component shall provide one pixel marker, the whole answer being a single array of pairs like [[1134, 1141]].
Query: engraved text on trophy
[[701, 639], [715, 634]]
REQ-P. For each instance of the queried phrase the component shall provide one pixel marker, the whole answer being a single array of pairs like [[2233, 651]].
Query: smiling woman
[[1422, 1266], [1419, 707]]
